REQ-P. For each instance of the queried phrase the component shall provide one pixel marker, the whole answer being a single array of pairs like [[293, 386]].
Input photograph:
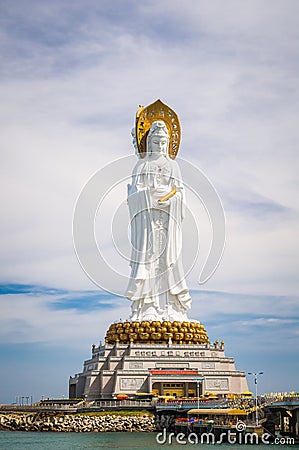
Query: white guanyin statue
[[157, 286]]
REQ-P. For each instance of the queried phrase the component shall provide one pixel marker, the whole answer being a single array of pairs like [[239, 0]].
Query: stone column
[[150, 384], [281, 420], [186, 389], [296, 423]]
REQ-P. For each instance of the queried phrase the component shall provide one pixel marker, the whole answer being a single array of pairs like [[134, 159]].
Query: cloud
[[59, 125], [53, 317], [37, 314], [42, 327]]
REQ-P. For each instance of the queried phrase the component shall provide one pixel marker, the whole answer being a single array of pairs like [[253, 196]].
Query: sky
[[72, 77]]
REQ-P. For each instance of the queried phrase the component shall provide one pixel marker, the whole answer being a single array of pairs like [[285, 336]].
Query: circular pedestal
[[157, 333]]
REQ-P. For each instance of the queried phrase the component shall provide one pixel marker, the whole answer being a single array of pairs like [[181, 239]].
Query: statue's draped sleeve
[[139, 203], [176, 278]]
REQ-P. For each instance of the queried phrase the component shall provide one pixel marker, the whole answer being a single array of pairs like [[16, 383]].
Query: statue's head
[[158, 139], [160, 121]]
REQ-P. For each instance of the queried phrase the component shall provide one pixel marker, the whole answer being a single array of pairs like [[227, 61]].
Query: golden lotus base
[[157, 333]]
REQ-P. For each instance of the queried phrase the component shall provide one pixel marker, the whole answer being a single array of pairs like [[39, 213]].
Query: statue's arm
[[180, 188], [167, 196]]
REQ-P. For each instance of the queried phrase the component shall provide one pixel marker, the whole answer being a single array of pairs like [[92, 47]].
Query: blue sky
[[72, 77]]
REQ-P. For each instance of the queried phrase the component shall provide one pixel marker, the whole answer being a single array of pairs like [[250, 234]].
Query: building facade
[[175, 370]]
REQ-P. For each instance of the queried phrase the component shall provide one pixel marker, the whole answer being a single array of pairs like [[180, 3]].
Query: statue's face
[[159, 145]]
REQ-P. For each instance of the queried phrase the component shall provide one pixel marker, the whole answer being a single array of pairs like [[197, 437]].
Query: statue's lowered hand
[[167, 196]]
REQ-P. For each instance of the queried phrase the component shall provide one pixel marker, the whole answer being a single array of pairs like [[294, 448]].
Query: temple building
[[174, 369]]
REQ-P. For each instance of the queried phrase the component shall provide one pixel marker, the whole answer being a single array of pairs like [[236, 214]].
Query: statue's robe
[[144, 290]]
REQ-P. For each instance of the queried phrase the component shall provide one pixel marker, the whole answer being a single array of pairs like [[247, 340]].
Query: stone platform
[[167, 369]]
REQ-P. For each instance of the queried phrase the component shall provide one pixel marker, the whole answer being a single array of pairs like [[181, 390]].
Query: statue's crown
[[158, 128], [158, 112]]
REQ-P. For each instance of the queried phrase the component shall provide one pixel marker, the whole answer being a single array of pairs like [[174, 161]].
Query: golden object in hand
[[167, 196]]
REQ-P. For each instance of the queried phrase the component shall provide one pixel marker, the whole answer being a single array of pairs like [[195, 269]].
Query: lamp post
[[198, 382], [256, 374]]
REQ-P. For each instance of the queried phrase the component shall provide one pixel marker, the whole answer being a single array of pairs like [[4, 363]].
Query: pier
[[288, 413]]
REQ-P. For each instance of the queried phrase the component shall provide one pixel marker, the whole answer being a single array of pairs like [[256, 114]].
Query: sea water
[[19, 440]]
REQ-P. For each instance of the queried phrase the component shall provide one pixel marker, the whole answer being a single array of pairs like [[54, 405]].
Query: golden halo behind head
[[146, 115]]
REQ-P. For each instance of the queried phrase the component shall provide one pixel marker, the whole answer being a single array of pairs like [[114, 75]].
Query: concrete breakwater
[[76, 423]]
